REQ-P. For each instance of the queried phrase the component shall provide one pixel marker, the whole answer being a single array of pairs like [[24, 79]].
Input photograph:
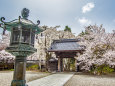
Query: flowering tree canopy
[[4, 41], [100, 47], [5, 57]]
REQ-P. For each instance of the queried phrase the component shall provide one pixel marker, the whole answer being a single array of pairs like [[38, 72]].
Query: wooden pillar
[[76, 65], [60, 64]]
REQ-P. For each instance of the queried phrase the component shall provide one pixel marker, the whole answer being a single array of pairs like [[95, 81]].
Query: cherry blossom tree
[[4, 41], [100, 47], [5, 57]]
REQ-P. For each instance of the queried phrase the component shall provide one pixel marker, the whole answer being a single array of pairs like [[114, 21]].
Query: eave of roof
[[65, 45], [24, 22], [65, 50]]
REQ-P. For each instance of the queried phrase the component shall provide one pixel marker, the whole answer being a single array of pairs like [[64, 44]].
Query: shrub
[[33, 67], [11, 69], [101, 69]]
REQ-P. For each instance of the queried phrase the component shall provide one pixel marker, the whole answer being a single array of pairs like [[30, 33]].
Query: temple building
[[65, 48]]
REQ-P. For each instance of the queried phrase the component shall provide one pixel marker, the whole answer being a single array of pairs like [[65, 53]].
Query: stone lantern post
[[21, 44]]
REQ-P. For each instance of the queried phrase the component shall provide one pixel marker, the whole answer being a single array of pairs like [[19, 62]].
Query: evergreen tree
[[67, 29]]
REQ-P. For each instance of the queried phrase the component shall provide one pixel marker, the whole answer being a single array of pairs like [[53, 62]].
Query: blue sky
[[74, 13]]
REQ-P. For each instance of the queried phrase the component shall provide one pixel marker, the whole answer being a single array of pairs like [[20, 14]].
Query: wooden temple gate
[[65, 48]]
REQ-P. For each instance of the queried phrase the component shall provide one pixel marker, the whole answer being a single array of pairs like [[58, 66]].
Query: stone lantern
[[21, 43]]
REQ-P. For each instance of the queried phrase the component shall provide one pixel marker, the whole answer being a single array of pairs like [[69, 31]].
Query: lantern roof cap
[[24, 22], [21, 21]]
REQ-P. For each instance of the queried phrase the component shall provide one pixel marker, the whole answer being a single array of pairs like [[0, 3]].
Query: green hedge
[[101, 69], [33, 67]]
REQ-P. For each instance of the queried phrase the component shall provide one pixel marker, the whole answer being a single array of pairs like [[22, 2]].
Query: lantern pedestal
[[21, 51], [19, 72]]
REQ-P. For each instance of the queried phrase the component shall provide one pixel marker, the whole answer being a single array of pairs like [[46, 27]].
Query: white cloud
[[88, 7], [84, 21]]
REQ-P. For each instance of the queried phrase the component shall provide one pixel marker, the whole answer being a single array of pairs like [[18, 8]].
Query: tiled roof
[[65, 45]]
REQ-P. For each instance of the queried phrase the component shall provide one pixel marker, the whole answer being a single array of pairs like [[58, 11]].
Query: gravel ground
[[7, 76], [91, 80]]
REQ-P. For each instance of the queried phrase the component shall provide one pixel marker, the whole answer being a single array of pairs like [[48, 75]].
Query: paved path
[[52, 80]]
